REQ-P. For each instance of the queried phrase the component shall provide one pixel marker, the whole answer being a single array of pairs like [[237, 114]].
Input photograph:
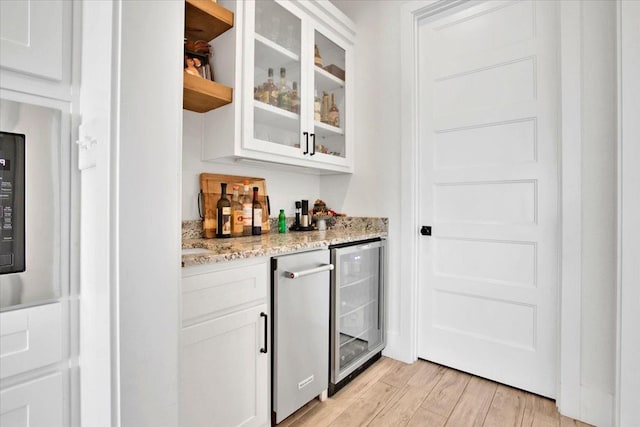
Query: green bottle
[[282, 222]]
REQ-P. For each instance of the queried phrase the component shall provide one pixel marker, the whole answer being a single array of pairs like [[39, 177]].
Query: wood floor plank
[[453, 399], [291, 419], [401, 408], [507, 408], [540, 412], [424, 417], [399, 375], [570, 422], [369, 377], [447, 391], [474, 403], [366, 407], [427, 375]]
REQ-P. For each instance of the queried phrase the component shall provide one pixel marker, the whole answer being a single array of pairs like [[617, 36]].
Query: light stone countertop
[[272, 244]]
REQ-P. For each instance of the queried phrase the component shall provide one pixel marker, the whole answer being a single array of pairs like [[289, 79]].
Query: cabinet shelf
[[274, 116], [326, 81], [271, 55], [202, 95], [326, 131], [205, 20]]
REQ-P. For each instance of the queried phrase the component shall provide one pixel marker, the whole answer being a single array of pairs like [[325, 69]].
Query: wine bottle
[[334, 114], [256, 219], [317, 107], [247, 210], [223, 211], [237, 225]]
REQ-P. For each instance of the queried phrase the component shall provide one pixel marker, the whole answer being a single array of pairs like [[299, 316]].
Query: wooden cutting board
[[210, 192]]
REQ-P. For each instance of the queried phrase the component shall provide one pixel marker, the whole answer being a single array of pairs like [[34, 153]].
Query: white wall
[[374, 188], [629, 353], [284, 187], [145, 203], [599, 206]]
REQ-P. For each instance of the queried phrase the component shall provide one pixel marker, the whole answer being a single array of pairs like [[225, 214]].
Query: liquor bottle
[[271, 90], [282, 222], [237, 224], [247, 210], [317, 59], [304, 220], [295, 101], [284, 93], [223, 213], [256, 219], [334, 114], [324, 112], [317, 107]]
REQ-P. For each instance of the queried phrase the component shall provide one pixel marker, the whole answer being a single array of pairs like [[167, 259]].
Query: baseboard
[[398, 348], [596, 407]]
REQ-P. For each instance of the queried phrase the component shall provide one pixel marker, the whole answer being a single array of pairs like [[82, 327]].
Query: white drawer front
[[37, 403], [212, 292], [30, 338]]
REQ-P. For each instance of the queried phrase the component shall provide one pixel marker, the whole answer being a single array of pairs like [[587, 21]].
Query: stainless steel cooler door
[[301, 330], [357, 306]]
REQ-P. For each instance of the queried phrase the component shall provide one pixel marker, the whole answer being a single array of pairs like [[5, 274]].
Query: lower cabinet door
[[36, 403], [225, 371]]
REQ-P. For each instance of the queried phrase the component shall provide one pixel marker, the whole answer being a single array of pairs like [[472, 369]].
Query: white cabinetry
[[282, 36], [35, 46], [225, 345], [31, 386]]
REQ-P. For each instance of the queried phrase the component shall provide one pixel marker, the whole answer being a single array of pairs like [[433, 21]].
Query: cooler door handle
[[296, 274]]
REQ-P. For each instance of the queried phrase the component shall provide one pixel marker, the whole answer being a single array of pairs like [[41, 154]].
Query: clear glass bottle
[[317, 59], [247, 210], [256, 219], [284, 92], [271, 90], [324, 111], [334, 113], [295, 101], [223, 214], [237, 224]]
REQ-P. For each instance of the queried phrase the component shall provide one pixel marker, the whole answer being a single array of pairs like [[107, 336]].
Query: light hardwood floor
[[392, 393]]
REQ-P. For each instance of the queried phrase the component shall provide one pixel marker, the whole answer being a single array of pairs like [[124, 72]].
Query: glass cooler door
[[358, 321]]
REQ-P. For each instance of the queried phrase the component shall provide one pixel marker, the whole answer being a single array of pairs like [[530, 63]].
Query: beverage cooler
[[357, 309]]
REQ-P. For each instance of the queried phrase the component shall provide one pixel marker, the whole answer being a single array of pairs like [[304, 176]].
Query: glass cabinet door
[[329, 97], [277, 78]]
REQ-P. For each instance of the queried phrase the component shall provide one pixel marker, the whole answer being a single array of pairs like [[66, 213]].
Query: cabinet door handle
[[313, 144], [266, 326], [306, 138]]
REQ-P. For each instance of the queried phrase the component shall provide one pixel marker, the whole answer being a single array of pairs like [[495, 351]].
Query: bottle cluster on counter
[[240, 216], [281, 96]]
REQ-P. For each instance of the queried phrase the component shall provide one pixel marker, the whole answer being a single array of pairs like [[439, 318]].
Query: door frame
[[569, 173]]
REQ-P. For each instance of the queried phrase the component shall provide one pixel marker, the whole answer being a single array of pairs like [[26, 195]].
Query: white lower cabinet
[[37, 403], [225, 357]]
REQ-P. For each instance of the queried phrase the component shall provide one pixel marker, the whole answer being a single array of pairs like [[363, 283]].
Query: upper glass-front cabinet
[[296, 109]]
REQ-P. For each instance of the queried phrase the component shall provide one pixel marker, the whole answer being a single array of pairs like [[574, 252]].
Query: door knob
[[425, 230]]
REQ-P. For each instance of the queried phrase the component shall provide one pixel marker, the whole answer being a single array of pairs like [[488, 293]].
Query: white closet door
[[488, 142]]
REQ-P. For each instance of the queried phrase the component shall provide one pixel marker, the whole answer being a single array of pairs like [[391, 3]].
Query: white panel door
[[487, 129]]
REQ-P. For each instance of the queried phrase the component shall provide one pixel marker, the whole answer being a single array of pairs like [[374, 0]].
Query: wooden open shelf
[[205, 20], [202, 95]]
